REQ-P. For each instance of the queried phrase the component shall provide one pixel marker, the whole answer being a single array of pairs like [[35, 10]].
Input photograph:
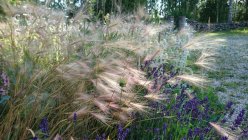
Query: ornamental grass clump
[[80, 78], [63, 77]]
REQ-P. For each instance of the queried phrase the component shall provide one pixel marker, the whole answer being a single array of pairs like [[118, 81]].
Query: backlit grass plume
[[106, 87], [206, 60], [195, 80], [223, 132]]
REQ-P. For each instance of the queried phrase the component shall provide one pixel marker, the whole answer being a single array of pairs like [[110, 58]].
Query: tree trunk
[[217, 12], [182, 22], [230, 11], [246, 10]]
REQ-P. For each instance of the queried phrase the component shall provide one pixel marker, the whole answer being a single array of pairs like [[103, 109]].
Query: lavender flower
[[206, 130], [244, 134], [223, 120], [98, 137], [197, 131], [74, 117], [205, 100], [4, 83], [239, 119], [191, 105], [103, 137], [164, 128], [229, 105], [2, 91], [178, 115], [122, 134], [44, 126], [224, 138], [147, 63], [190, 133], [206, 111], [5, 80], [156, 130], [35, 138]]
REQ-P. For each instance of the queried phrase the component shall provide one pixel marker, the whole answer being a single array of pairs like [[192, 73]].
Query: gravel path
[[233, 62], [231, 76]]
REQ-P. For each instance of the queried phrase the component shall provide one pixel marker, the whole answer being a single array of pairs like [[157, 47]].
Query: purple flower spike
[[74, 117], [224, 138], [5, 79], [206, 130], [239, 119], [120, 131], [103, 137], [4, 83], [164, 128], [98, 137], [35, 138], [223, 120], [44, 126], [197, 131], [122, 134], [190, 133], [244, 134], [229, 105], [2, 91]]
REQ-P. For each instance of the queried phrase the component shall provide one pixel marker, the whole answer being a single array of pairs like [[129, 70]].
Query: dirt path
[[230, 79]]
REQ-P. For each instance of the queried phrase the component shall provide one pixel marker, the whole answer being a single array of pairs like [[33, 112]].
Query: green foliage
[[217, 15], [2, 13], [215, 10], [117, 6]]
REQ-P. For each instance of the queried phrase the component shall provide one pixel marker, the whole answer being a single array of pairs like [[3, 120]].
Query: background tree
[[200, 10], [246, 10], [113, 6], [230, 16], [216, 10]]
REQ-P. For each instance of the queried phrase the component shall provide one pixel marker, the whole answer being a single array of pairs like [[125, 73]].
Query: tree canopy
[[200, 10]]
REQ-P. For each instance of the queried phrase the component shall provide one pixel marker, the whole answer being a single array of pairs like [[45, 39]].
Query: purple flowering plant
[[4, 87], [4, 83], [44, 127], [178, 117]]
